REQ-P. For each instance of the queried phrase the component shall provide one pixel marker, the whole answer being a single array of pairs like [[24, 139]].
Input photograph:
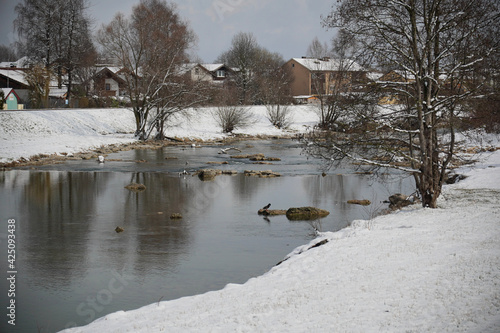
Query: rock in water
[[305, 213], [271, 212], [398, 201], [359, 202], [208, 174], [136, 187]]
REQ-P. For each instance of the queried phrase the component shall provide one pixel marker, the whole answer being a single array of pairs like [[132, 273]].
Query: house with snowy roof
[[109, 81], [14, 78], [211, 73], [11, 99], [320, 76]]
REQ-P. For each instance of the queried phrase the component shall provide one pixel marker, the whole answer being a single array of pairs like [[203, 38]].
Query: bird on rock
[[266, 207]]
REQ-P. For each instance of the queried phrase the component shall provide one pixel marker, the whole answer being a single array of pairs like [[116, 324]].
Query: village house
[[211, 73], [15, 77], [12, 78], [313, 76], [393, 82], [108, 82]]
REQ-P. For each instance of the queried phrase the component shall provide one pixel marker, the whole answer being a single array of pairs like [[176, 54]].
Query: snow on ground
[[29, 133], [417, 270]]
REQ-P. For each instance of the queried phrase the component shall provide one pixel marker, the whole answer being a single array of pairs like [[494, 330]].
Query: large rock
[[305, 213], [397, 201], [208, 174]]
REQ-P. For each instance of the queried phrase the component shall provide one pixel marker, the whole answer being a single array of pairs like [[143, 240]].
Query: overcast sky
[[284, 26]]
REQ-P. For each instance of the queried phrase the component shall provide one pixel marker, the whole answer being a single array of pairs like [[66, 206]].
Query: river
[[73, 267]]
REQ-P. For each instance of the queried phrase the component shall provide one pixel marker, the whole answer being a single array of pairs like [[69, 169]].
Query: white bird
[[100, 159]]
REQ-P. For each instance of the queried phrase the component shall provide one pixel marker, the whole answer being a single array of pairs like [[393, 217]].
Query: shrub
[[279, 115], [229, 117]]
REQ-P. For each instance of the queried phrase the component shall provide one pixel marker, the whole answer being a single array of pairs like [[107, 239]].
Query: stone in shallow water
[[305, 213], [136, 187]]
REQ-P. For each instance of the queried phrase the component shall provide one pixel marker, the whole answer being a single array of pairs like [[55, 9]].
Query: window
[[108, 86], [221, 73]]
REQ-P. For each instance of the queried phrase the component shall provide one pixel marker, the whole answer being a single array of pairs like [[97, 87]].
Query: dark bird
[[266, 207]]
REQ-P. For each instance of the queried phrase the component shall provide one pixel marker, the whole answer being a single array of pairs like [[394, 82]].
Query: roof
[[20, 63], [374, 76], [212, 67], [14, 74], [328, 64], [112, 71], [8, 91]]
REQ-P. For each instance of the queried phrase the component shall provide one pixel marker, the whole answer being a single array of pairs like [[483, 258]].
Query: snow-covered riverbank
[[29, 133], [417, 270]]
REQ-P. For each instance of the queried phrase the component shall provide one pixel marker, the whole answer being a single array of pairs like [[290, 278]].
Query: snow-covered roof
[[6, 91], [58, 92], [14, 74], [374, 76], [329, 64], [212, 67], [4, 64], [114, 69], [20, 63]]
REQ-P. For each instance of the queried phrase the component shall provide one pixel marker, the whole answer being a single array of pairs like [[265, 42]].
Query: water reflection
[[70, 256]]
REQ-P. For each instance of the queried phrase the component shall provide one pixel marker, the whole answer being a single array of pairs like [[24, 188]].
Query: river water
[[72, 267]]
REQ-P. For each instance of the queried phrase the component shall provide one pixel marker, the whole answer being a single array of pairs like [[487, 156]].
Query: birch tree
[[436, 46]]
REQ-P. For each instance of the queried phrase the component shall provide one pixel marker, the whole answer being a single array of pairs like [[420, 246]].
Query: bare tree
[[55, 33], [230, 117], [274, 88], [38, 78], [7, 53], [318, 50], [243, 55], [436, 45], [152, 46], [230, 114]]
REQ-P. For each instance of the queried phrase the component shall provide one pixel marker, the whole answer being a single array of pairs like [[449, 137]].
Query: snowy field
[[417, 270], [29, 133]]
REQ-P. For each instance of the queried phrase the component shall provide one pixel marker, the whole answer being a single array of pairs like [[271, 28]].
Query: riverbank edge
[[105, 150]]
